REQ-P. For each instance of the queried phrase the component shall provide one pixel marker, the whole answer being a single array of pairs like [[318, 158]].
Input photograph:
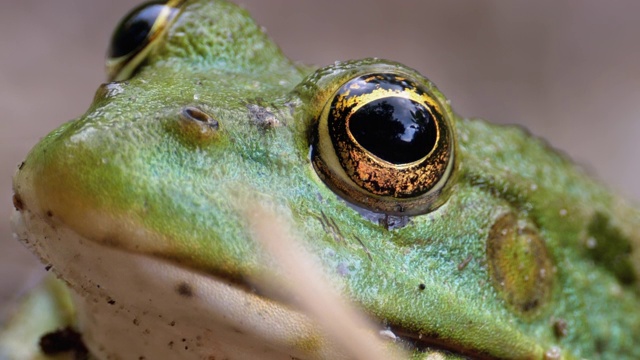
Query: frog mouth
[[163, 287], [175, 283], [433, 345]]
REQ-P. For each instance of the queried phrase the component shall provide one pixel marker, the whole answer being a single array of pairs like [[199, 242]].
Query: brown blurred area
[[567, 70]]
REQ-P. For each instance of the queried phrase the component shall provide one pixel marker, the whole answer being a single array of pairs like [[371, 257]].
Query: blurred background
[[567, 70]]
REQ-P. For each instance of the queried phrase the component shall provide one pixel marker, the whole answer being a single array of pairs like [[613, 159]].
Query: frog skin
[[469, 240]]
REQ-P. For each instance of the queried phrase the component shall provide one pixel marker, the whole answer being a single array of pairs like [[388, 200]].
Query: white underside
[[130, 307]]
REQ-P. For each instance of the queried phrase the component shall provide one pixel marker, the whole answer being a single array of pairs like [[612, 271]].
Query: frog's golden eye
[[384, 143], [136, 35]]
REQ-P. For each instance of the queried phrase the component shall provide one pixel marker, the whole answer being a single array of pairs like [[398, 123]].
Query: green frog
[[180, 214]]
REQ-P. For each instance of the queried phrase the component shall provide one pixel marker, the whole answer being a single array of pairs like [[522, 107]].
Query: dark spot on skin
[[17, 202], [185, 290], [262, 117], [111, 302], [170, 344], [111, 241], [600, 345], [62, 341], [136, 322], [173, 323], [611, 249], [560, 328], [422, 286], [465, 262], [530, 305], [49, 213], [519, 264], [48, 267]]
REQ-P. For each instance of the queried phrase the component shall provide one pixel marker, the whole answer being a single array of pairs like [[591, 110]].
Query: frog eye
[[385, 143], [136, 35]]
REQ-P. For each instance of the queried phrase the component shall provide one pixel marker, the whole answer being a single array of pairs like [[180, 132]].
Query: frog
[[214, 189]]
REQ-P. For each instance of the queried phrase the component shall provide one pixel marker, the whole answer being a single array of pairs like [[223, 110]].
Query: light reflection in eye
[[394, 129]]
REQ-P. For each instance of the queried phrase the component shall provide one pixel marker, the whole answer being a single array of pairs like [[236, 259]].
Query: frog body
[[142, 206]]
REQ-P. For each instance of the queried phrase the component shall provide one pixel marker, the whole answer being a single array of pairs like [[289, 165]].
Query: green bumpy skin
[[528, 258]]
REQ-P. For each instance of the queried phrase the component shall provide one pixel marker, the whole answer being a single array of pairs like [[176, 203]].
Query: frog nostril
[[195, 126], [191, 113]]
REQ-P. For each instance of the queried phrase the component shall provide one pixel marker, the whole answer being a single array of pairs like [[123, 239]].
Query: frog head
[[455, 236]]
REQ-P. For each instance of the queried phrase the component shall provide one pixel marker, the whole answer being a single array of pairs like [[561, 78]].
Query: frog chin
[[132, 305]]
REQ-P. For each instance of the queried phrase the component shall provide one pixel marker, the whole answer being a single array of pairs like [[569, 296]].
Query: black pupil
[[134, 29], [394, 129]]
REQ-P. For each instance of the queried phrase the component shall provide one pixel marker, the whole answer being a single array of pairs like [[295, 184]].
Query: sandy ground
[[566, 70]]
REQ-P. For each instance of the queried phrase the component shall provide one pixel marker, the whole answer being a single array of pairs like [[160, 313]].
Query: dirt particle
[[560, 328], [17, 202], [184, 289], [62, 341], [262, 117]]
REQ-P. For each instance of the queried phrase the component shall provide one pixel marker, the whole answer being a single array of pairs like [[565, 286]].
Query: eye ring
[[385, 143], [136, 35]]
